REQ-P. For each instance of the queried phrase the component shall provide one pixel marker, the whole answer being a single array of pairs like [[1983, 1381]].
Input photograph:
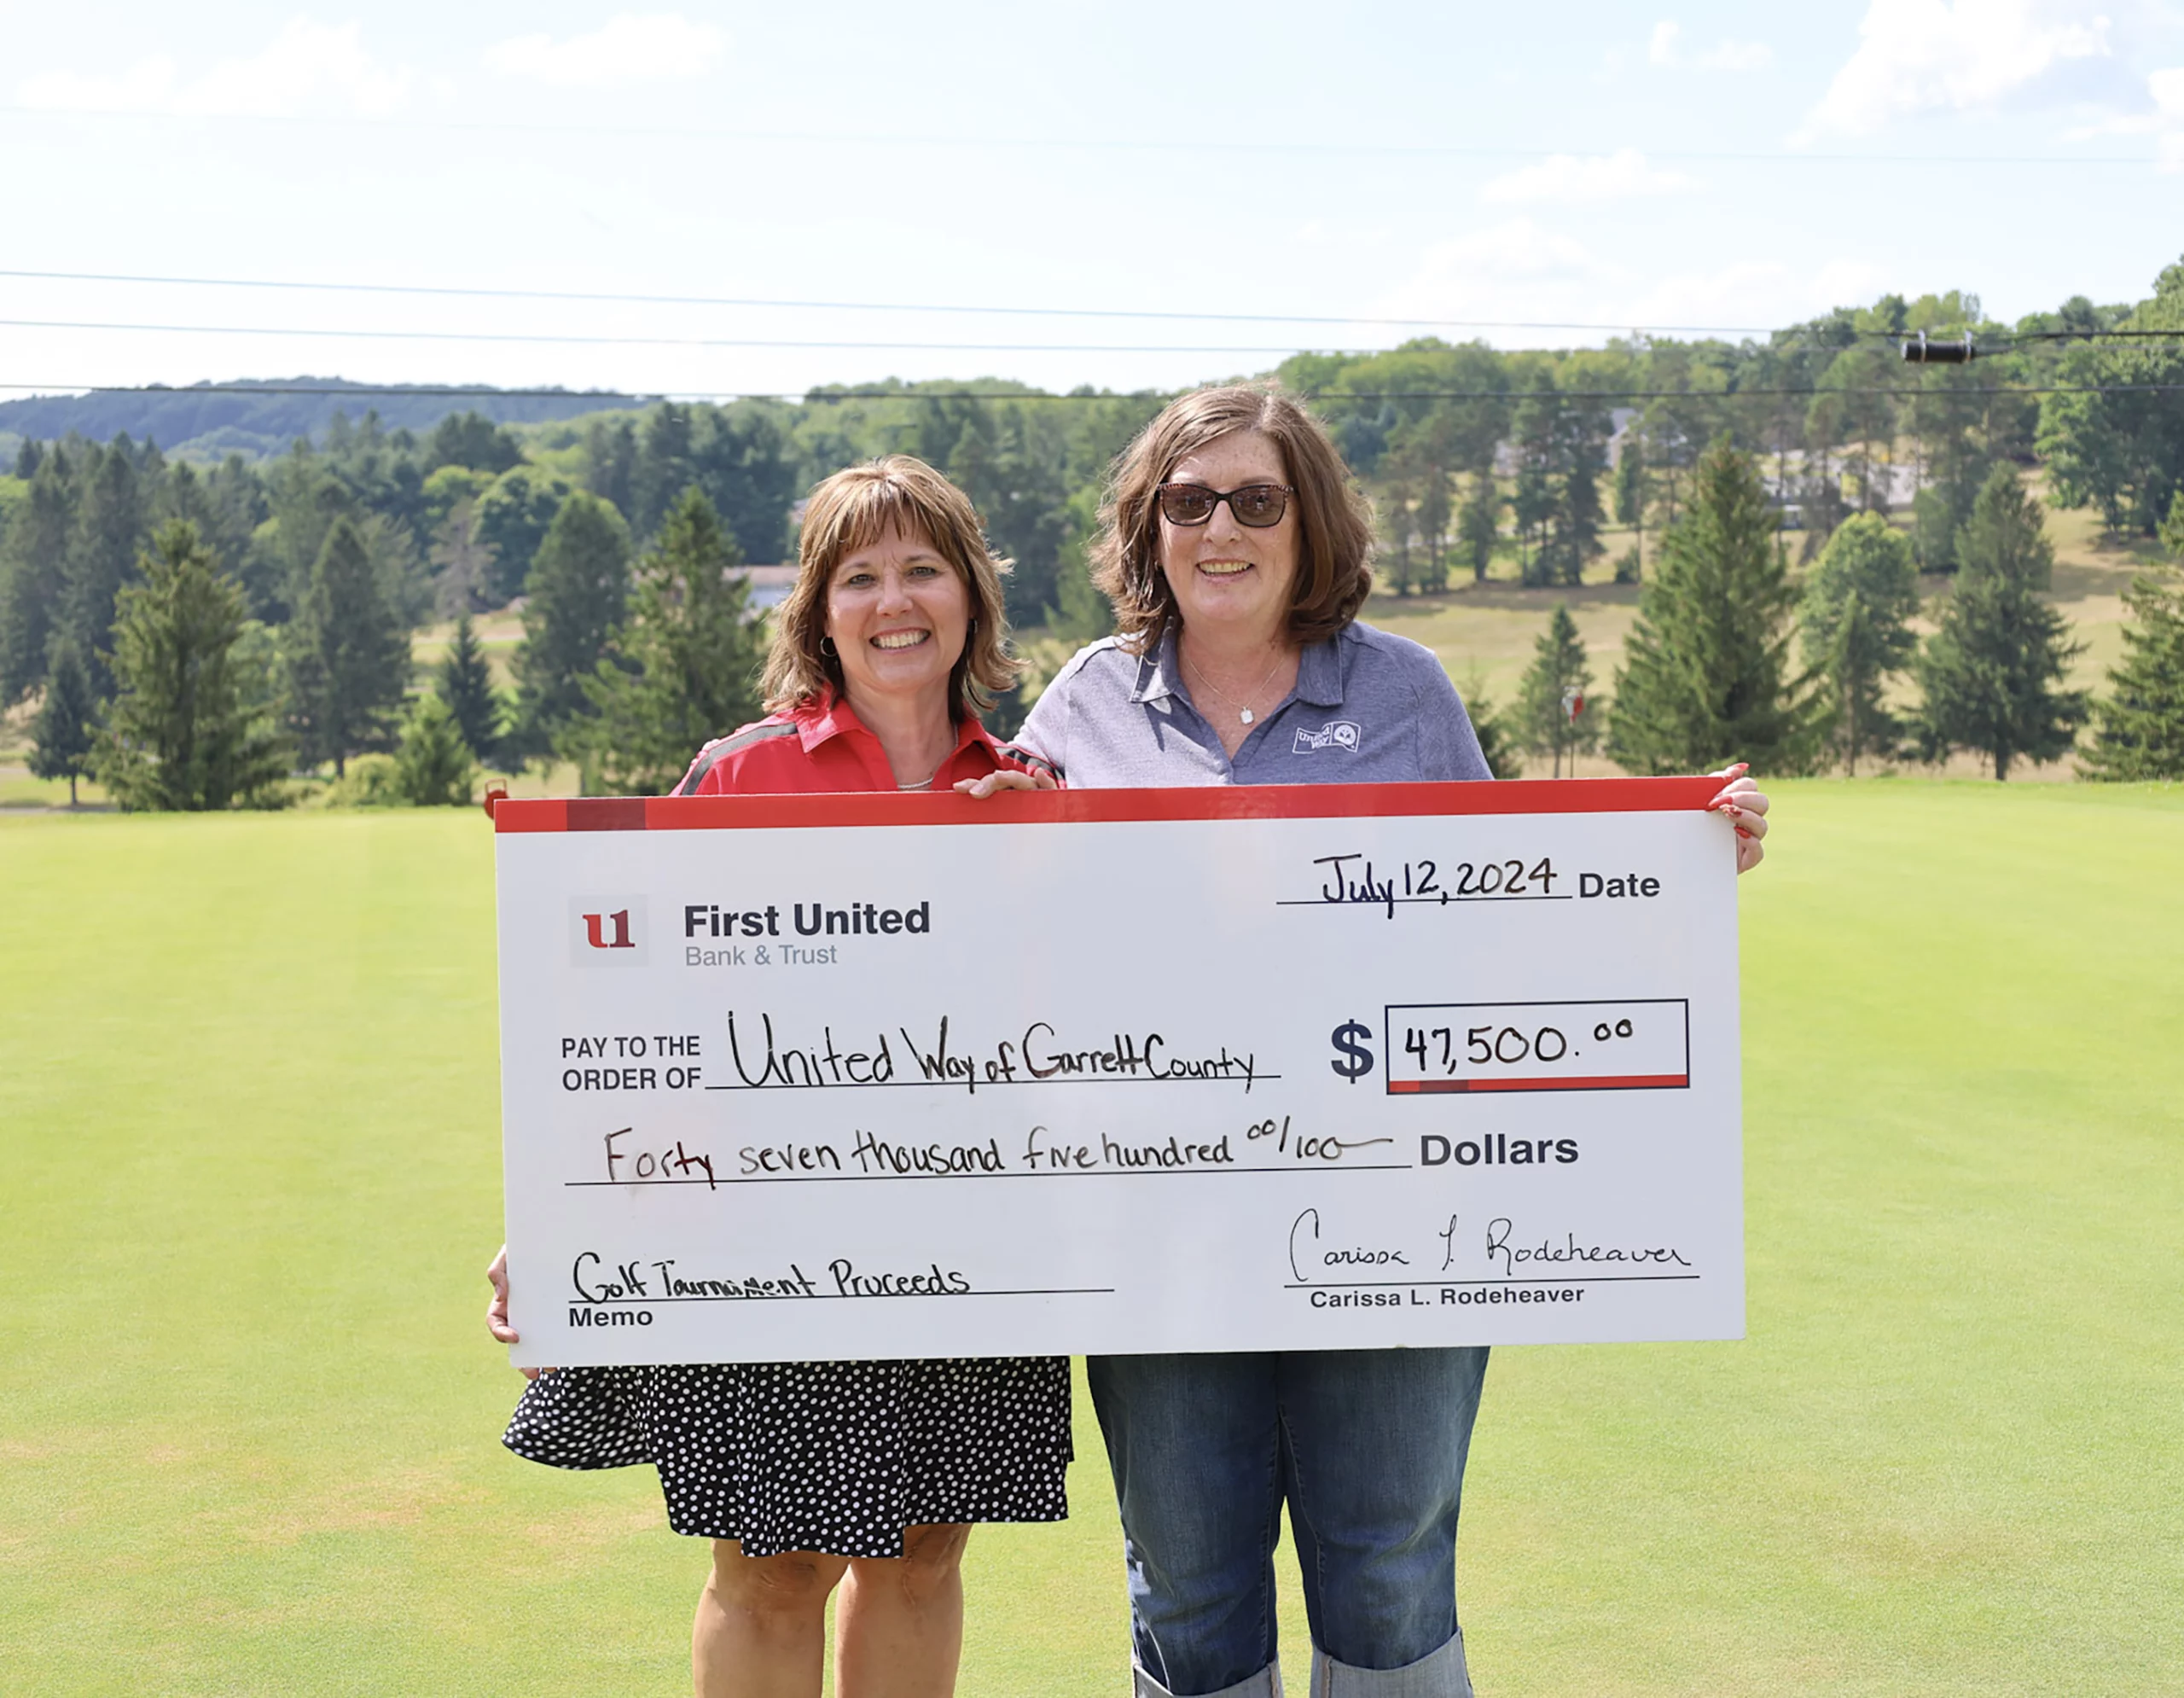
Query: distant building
[[769, 585]]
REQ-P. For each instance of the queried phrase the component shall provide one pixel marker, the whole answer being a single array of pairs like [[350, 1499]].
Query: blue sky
[[1512, 171]]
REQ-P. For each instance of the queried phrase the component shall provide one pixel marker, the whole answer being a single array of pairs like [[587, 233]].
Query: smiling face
[[898, 613], [1231, 581]]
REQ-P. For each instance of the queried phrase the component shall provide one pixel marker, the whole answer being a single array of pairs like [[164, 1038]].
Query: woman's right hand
[[1004, 778], [496, 1312]]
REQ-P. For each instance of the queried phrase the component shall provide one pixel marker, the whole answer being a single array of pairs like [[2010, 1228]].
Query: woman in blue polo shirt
[[1234, 546]]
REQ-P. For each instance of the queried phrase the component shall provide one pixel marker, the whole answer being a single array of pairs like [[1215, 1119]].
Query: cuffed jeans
[[1367, 1447]]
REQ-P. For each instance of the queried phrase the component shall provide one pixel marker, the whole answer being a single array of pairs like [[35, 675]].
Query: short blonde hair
[[852, 510], [1334, 524]]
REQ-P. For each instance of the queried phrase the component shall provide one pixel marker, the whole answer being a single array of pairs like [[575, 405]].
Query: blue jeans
[[1367, 1448]]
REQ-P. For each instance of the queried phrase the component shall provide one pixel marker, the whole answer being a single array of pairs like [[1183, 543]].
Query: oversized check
[[1310, 1068]]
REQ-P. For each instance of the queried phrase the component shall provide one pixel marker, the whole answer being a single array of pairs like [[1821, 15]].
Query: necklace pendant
[[1244, 715]]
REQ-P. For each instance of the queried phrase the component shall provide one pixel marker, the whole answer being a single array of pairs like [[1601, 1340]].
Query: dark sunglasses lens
[[1260, 505], [1187, 506]]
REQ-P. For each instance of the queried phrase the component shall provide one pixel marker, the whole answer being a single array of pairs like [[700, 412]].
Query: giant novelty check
[[1312, 1067]]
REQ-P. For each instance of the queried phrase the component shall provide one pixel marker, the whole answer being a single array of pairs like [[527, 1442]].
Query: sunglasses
[[1257, 505]]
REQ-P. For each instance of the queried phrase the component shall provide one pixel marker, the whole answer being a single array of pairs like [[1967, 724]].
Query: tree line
[[307, 571], [1734, 656]]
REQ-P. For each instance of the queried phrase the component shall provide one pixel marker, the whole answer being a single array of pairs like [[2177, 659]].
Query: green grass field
[[248, 1433]]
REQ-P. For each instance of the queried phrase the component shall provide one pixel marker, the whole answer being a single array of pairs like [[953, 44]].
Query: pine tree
[[1478, 526], [684, 668], [433, 765], [579, 591], [191, 726], [1532, 501], [34, 578], [462, 559], [1632, 490], [1497, 741], [1580, 434], [66, 730], [1992, 675], [1081, 614], [349, 655], [109, 530], [1706, 675], [472, 439], [466, 685], [1858, 598], [1551, 705], [2139, 731], [610, 463], [663, 469], [512, 518]]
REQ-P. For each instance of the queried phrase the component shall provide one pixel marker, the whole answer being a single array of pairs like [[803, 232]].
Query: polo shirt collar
[[823, 719], [829, 716], [1158, 669], [1319, 671], [1319, 674]]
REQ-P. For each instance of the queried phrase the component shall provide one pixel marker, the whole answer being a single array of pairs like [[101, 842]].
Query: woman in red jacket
[[867, 1475]]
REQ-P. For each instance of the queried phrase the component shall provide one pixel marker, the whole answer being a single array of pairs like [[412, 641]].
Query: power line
[[1180, 144], [530, 337], [872, 306], [816, 395], [2004, 339]]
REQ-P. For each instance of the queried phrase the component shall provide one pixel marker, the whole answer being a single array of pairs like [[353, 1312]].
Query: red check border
[[1017, 807]]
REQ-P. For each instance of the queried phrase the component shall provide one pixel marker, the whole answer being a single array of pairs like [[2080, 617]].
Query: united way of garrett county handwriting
[[768, 1059]]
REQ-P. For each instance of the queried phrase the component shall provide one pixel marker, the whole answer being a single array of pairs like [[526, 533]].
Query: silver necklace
[[1243, 708]]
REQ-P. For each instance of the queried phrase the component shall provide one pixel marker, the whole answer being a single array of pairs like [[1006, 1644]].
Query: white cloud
[[1752, 292], [307, 66], [1737, 56], [1520, 273], [1665, 49], [2161, 117], [1516, 268], [2167, 89], [145, 84], [629, 47], [1952, 55], [1574, 179]]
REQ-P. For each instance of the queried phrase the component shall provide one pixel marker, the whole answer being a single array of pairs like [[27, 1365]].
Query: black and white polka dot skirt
[[834, 1457]]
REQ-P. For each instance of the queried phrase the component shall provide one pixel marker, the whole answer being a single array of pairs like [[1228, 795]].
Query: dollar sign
[[1354, 1058]]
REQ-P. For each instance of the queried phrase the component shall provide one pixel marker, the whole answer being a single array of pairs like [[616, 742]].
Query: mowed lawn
[[249, 1416]]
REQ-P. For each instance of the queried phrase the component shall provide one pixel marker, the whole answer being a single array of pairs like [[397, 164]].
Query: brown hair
[[852, 510], [1334, 542]]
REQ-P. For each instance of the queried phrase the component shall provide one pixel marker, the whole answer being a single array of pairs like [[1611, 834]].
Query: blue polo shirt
[[1367, 708]]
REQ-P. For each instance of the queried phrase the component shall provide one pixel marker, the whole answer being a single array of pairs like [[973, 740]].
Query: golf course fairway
[[249, 1431]]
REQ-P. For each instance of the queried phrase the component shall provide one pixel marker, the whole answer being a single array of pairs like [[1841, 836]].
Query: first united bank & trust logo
[[608, 931]]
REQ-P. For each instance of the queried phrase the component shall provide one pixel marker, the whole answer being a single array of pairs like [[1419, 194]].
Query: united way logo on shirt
[[1336, 734]]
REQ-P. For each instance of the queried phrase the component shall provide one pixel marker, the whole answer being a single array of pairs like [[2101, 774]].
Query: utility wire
[[770, 304], [350, 334], [1998, 339], [561, 340], [873, 306], [814, 396], [1174, 144]]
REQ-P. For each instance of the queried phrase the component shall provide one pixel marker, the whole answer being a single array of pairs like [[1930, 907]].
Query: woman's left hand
[[1744, 805], [1004, 778]]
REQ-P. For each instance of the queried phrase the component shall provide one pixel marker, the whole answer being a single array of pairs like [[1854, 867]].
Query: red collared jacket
[[822, 746]]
